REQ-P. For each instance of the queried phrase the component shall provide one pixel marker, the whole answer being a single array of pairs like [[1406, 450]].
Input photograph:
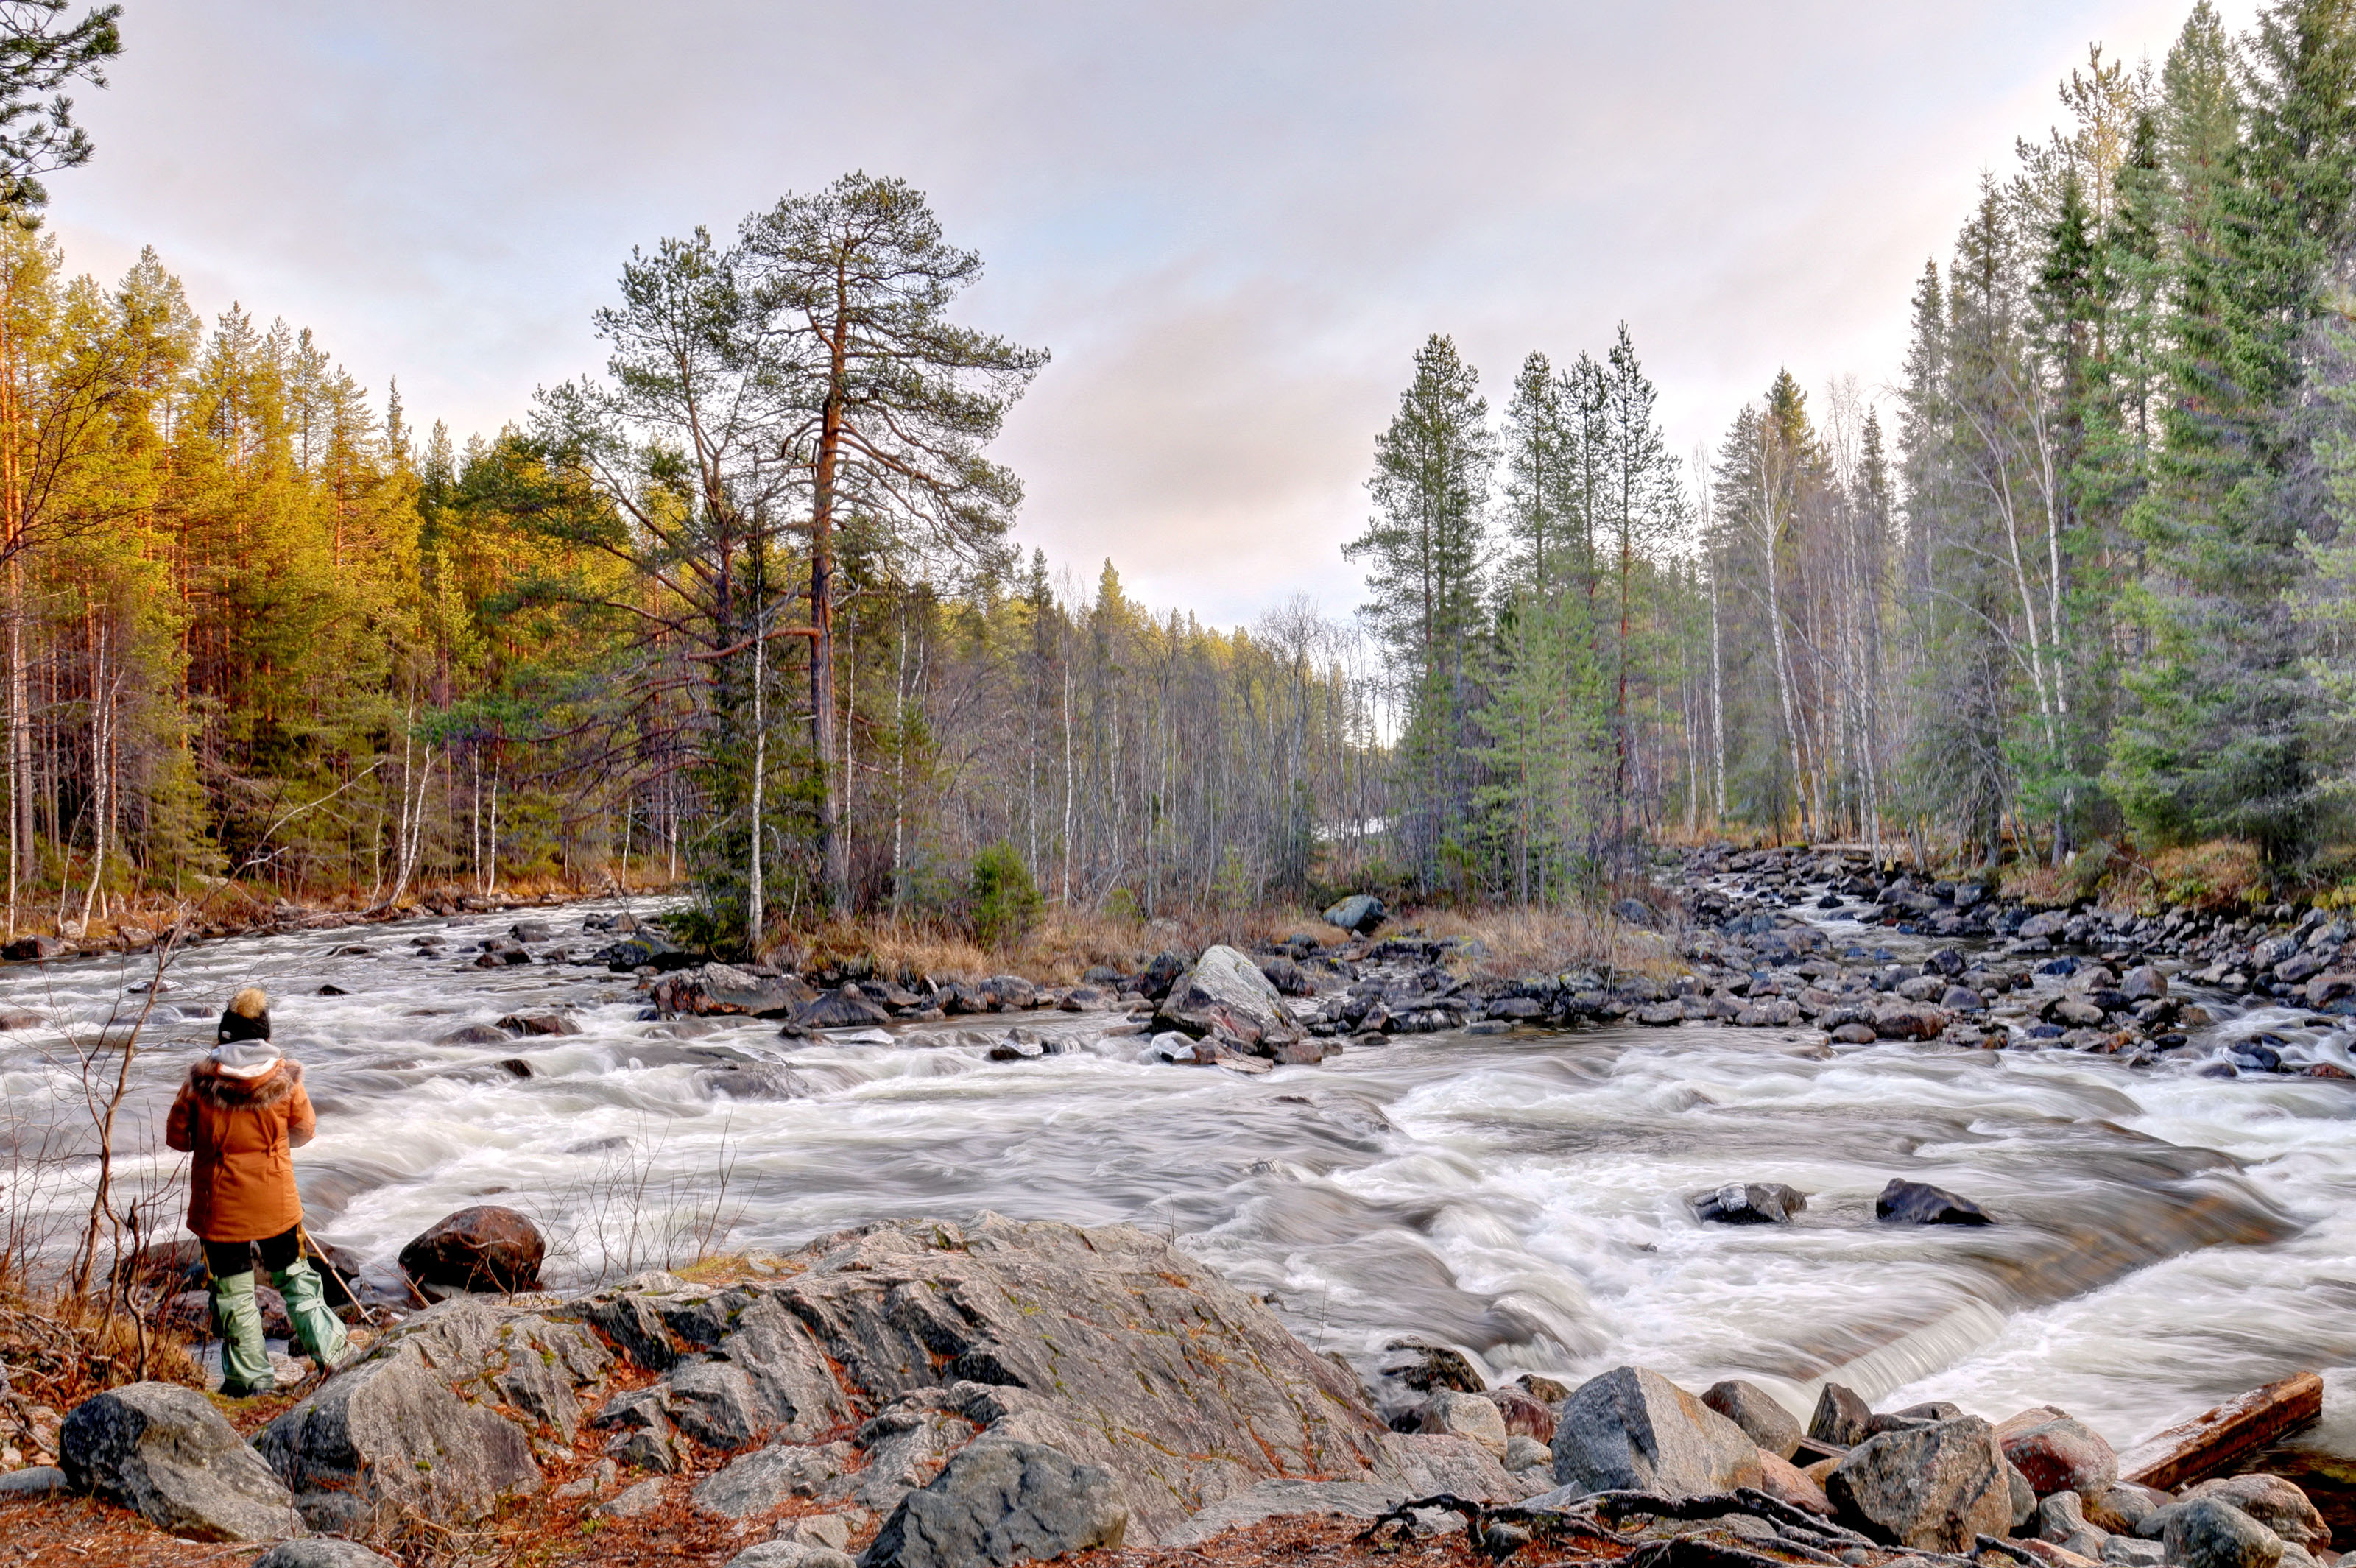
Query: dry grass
[[1536, 941], [1066, 944], [62, 1348], [2037, 884]]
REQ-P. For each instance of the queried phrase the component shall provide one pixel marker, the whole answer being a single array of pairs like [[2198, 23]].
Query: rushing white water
[[2165, 1239]]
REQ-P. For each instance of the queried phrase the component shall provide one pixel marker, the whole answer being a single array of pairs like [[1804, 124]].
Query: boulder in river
[[1934, 1488], [1000, 1502], [1469, 1415], [1908, 1020], [1428, 1368], [2277, 1503], [483, 1248], [1525, 1415], [2060, 1454], [1359, 913], [726, 988], [1842, 1419], [1749, 1204], [2209, 1533], [166, 1452], [846, 1008], [1904, 1202], [1225, 996], [1633, 1430], [1760, 1415]]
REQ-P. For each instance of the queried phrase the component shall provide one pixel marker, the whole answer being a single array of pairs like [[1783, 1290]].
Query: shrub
[[1004, 900]]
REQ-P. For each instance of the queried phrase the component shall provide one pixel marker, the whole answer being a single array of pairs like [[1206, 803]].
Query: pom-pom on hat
[[247, 1017]]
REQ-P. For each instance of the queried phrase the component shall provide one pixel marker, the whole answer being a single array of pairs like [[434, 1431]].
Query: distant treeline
[[2097, 586], [258, 627]]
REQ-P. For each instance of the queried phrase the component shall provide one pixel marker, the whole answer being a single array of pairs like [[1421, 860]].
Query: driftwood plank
[[2208, 1444]]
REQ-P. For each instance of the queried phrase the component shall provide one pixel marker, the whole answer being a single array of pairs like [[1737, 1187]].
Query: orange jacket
[[242, 1132]]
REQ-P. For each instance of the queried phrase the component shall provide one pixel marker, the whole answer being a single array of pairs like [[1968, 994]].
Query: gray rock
[[1934, 1488], [1633, 1430], [389, 1437], [2143, 983], [2023, 1495], [2121, 1507], [631, 1501], [1226, 995], [1904, 1202], [715, 1404], [1286, 1500], [1749, 1204], [1360, 912], [2277, 1503], [723, 988], [905, 1449], [830, 1530], [322, 1552], [1841, 1418], [1762, 1418], [1527, 1454], [2060, 1519], [790, 1554], [757, 1483], [1001, 1502], [2209, 1533], [2127, 1551], [1467, 1415], [168, 1453], [645, 1448], [32, 1481]]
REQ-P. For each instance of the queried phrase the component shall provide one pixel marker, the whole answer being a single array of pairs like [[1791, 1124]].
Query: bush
[[1005, 901]]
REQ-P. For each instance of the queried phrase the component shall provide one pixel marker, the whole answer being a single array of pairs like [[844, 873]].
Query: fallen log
[[2210, 1442]]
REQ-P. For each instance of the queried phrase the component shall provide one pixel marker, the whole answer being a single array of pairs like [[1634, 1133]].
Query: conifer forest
[[745, 610]]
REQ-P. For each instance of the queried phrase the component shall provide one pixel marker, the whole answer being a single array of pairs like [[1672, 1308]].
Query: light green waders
[[319, 1330], [237, 1314], [237, 1317]]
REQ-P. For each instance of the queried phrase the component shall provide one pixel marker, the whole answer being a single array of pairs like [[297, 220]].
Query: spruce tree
[[2217, 741]]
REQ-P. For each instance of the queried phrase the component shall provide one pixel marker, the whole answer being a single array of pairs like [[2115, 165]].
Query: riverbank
[[905, 1392]]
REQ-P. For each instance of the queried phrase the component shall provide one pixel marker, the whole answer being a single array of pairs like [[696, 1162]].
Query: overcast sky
[[1231, 223]]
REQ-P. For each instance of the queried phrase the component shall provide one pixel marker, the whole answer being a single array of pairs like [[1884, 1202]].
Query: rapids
[[2165, 1239]]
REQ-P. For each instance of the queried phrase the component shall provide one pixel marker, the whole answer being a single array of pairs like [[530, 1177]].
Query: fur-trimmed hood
[[218, 1089]]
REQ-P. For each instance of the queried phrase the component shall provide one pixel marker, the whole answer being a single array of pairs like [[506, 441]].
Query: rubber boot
[[321, 1332], [237, 1315]]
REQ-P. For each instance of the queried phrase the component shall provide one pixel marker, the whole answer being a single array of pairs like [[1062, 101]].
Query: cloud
[[1232, 220]]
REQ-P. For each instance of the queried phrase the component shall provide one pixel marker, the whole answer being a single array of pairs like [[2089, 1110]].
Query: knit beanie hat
[[247, 1017], [244, 1058]]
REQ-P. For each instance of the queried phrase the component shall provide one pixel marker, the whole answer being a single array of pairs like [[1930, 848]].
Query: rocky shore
[[1749, 929], [927, 1393]]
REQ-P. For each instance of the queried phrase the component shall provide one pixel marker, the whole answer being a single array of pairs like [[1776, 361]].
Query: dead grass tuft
[[1521, 942]]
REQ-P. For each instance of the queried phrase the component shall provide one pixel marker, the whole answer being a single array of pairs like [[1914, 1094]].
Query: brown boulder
[[483, 1248], [2062, 1455]]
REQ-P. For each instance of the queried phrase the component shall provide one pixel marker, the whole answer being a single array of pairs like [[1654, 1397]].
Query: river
[[2165, 1239]]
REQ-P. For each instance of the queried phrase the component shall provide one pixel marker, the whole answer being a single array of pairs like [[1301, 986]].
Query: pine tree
[[1425, 550]]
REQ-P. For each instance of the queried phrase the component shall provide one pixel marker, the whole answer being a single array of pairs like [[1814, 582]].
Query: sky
[[1231, 223]]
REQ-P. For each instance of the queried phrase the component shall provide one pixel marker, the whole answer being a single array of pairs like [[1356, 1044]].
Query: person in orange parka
[[241, 1113]]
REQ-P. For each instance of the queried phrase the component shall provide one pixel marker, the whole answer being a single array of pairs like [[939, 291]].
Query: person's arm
[[179, 1127], [301, 1121]]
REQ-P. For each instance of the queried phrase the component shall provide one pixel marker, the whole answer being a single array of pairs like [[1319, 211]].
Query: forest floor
[[94, 1534]]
